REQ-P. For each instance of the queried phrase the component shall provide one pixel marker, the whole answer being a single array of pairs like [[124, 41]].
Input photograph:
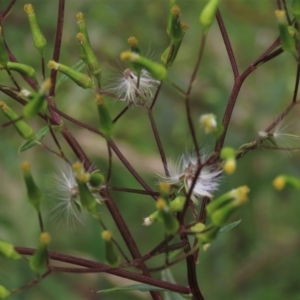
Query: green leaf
[[38, 137], [229, 227], [136, 287], [174, 253], [166, 275], [77, 67]]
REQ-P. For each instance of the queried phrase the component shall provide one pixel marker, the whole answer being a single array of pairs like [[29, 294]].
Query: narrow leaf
[[38, 137], [229, 227], [133, 287]]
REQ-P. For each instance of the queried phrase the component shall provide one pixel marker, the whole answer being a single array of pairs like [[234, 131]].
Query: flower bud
[[38, 260], [22, 69], [228, 155], [87, 199], [38, 103], [286, 180], [80, 79], [4, 292], [90, 57], [112, 256], [106, 124], [96, 179], [207, 15], [38, 38], [209, 122], [222, 210], [3, 53], [165, 216], [133, 43], [7, 250], [24, 130], [164, 189], [176, 205], [34, 194], [237, 196], [174, 28], [152, 218], [157, 71], [205, 234], [287, 41]]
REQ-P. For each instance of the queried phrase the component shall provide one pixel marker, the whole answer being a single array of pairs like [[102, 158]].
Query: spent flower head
[[133, 88], [184, 172], [63, 189]]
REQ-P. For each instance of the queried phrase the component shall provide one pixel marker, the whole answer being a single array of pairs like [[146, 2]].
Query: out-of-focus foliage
[[257, 259]]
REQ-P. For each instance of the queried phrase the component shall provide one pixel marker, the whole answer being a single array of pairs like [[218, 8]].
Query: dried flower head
[[184, 173], [63, 190], [135, 89]]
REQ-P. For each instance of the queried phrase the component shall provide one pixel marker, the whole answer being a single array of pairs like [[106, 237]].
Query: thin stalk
[[158, 143]]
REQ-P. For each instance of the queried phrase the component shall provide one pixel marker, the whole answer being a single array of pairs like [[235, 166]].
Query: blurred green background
[[259, 259]]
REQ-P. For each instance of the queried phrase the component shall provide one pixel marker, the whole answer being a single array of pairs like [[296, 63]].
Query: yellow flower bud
[[24, 130], [34, 194], [80, 79], [112, 256], [38, 38], [106, 124]]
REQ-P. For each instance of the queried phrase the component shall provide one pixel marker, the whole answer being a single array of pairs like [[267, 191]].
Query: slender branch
[[188, 94], [227, 45], [98, 268], [7, 10], [158, 143]]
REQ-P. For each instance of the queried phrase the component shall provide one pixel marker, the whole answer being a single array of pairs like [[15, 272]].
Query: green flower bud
[[176, 205], [7, 250], [38, 103], [3, 53], [287, 41], [106, 124], [205, 234], [87, 199], [4, 292], [170, 53], [296, 9], [81, 25], [156, 70], [236, 196], [220, 217], [207, 15], [38, 260], [80, 79], [22, 69], [24, 130], [34, 194], [112, 256], [96, 179], [90, 57], [174, 28], [38, 38], [228, 155], [286, 180], [82, 28], [165, 216], [133, 43], [164, 189]]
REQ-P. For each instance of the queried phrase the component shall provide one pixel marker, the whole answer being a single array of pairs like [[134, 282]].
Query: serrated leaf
[[38, 137], [229, 227], [132, 287], [77, 67]]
